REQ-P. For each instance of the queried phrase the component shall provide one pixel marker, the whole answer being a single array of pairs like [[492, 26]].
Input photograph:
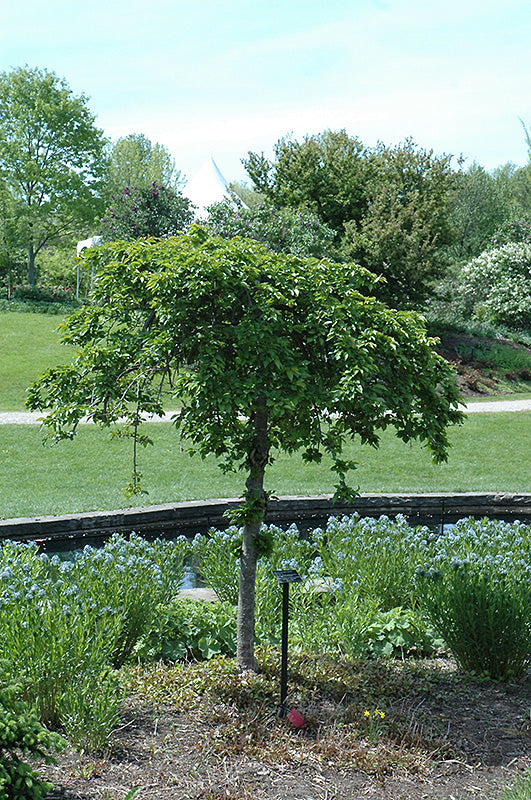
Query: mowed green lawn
[[29, 344], [490, 453]]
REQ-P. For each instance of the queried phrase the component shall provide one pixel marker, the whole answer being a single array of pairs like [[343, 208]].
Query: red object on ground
[[295, 718]]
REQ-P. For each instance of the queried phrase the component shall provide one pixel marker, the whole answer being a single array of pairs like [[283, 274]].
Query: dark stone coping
[[71, 531]]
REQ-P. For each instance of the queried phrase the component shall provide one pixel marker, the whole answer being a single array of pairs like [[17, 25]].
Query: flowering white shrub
[[498, 282]]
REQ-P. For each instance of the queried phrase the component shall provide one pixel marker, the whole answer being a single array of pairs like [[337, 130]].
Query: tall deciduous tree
[[11, 255], [389, 206], [327, 173], [134, 161], [51, 156], [266, 352], [481, 203], [405, 231]]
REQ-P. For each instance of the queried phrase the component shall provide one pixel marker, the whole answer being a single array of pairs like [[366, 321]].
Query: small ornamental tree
[[265, 352], [150, 211]]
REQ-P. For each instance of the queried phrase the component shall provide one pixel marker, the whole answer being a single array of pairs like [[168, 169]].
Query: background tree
[[284, 230], [389, 206], [152, 211], [481, 203], [58, 266], [405, 230], [133, 161], [519, 178], [11, 256], [51, 156], [246, 193], [487, 211], [513, 184], [326, 173], [266, 352], [514, 230]]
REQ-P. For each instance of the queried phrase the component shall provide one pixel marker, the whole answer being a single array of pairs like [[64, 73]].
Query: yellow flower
[[366, 713]]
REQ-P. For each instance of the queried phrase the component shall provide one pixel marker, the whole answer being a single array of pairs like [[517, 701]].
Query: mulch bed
[[469, 738]]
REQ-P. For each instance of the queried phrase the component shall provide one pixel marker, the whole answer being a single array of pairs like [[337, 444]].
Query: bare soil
[[445, 736]]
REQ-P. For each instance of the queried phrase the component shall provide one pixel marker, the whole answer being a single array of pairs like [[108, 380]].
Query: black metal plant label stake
[[285, 577]]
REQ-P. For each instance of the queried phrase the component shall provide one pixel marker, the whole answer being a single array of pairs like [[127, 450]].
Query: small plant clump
[[22, 735], [477, 592], [373, 723], [189, 629]]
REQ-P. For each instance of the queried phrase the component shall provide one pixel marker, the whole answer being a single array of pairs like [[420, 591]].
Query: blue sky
[[221, 77]]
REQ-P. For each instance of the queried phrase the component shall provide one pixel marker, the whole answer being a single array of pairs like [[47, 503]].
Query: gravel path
[[481, 406], [497, 405], [35, 417]]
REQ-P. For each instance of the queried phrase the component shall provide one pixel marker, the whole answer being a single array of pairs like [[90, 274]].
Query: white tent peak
[[206, 187], [92, 242]]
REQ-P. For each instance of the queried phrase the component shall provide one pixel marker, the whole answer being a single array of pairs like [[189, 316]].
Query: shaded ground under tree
[[444, 735]]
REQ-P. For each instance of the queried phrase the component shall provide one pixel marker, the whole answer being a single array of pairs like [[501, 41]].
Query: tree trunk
[[9, 281], [31, 265], [256, 503]]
